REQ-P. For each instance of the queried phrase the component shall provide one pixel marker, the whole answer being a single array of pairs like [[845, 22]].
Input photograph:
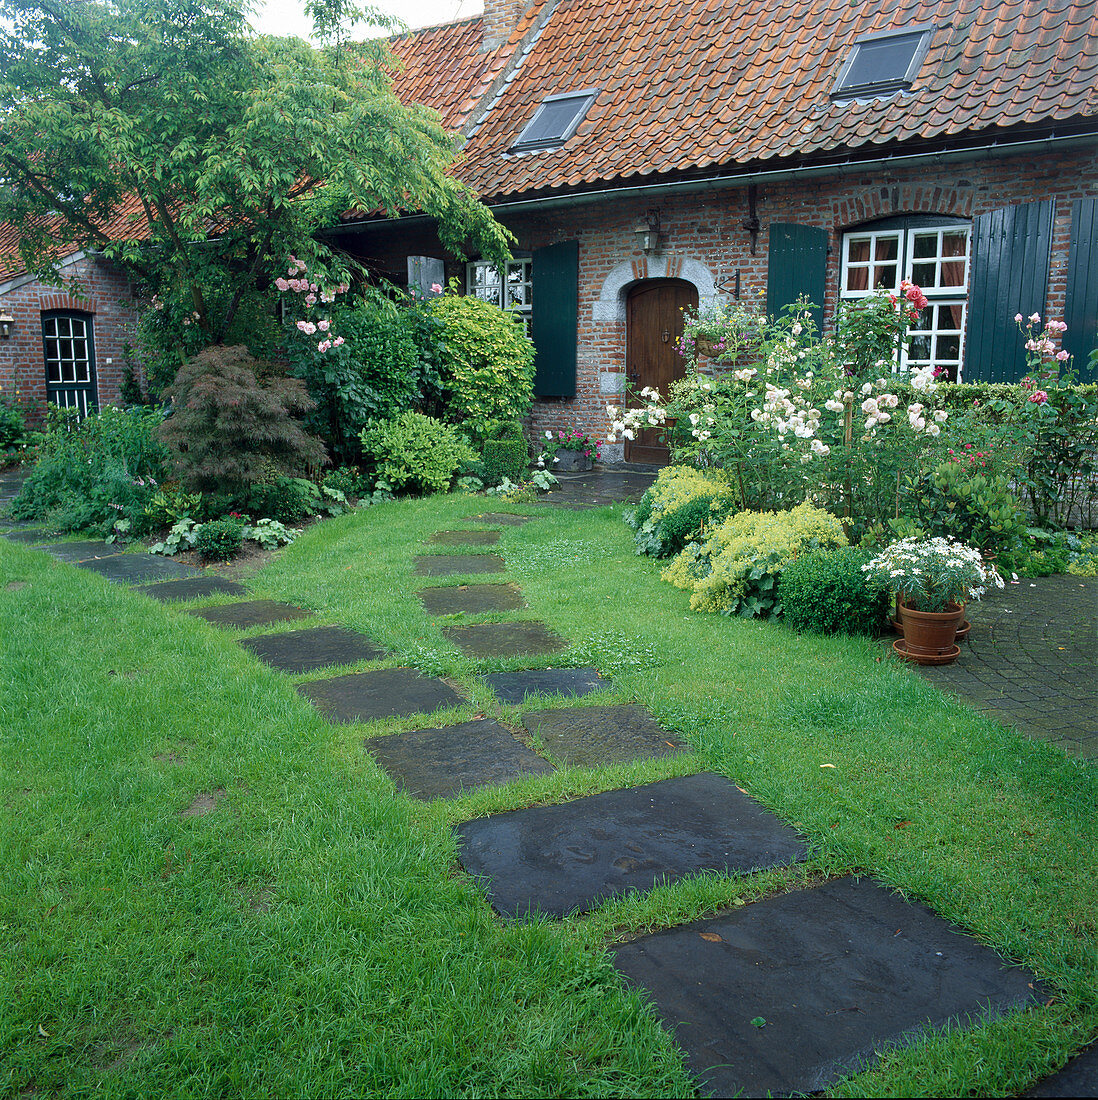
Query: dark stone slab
[[517, 687], [318, 647], [388, 693], [249, 613], [441, 565], [471, 599], [553, 859], [504, 639], [27, 534], [135, 568], [835, 973], [438, 763], [508, 519], [588, 737], [1078, 1078], [191, 588], [76, 552], [466, 538]]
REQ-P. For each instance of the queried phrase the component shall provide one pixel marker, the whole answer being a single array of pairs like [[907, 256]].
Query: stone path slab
[[136, 568], [249, 613], [75, 552], [387, 693], [192, 588], [308, 650], [466, 538], [471, 599], [504, 639], [440, 763], [517, 687], [590, 737], [835, 972], [508, 519], [442, 565], [28, 534], [1078, 1078], [554, 859]]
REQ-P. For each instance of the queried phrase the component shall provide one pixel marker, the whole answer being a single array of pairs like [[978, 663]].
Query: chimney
[[499, 20]]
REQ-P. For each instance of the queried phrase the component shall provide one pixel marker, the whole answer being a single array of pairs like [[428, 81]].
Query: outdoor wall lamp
[[647, 230], [6, 321]]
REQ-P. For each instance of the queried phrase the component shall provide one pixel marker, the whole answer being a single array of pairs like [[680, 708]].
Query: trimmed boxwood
[[220, 539], [825, 592]]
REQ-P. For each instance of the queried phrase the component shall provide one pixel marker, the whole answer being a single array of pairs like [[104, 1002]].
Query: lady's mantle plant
[[931, 574]]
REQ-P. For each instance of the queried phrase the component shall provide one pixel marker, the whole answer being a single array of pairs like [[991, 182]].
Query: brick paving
[[1030, 661]]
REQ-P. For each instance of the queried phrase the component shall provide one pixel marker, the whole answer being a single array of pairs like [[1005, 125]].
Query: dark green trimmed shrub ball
[[220, 539], [825, 592]]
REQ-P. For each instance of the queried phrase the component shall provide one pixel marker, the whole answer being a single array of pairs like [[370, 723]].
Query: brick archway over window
[[882, 202]]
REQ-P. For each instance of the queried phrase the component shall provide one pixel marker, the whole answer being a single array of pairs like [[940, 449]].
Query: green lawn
[[314, 935]]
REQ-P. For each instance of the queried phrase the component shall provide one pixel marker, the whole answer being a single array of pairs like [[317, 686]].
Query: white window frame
[[905, 264], [477, 280]]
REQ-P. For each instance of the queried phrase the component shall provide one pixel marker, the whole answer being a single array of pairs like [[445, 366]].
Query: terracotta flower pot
[[930, 636]]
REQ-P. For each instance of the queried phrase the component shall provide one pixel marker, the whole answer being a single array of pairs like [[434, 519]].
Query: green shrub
[[287, 499], [825, 592], [13, 425], [376, 373], [488, 367], [349, 480], [677, 507], [233, 420], [220, 539], [736, 570], [93, 472], [504, 458], [416, 453]]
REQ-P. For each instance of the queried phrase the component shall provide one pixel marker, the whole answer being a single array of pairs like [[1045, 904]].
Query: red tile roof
[[694, 85]]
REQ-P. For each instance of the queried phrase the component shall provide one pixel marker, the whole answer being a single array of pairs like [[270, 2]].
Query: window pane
[[64, 326], [953, 315], [884, 277], [924, 245], [858, 250], [883, 60], [857, 278], [919, 348], [953, 274], [924, 274], [949, 348], [954, 244], [888, 248]]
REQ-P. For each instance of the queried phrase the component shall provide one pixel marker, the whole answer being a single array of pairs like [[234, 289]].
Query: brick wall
[[103, 293], [704, 231]]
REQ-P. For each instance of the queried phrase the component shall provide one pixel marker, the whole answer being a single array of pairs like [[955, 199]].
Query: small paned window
[[513, 289], [68, 350], [936, 258], [554, 122], [882, 64]]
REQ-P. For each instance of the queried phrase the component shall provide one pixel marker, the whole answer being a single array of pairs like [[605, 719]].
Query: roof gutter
[[840, 168]]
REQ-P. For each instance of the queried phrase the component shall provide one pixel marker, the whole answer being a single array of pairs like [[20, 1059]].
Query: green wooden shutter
[[1081, 312], [1009, 275], [553, 327], [796, 265]]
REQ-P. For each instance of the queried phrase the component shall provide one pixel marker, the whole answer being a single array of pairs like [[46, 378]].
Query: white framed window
[[932, 253], [68, 349], [510, 289]]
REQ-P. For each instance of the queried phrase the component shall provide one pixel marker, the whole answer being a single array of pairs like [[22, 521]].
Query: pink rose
[[1018, 318], [436, 288], [1039, 397], [282, 284], [324, 325], [337, 342], [1063, 355]]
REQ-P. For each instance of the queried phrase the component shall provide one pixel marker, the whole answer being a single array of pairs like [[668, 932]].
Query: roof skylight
[[882, 63], [555, 121]]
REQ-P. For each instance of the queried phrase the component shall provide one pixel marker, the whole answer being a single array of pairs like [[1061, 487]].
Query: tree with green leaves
[[199, 157]]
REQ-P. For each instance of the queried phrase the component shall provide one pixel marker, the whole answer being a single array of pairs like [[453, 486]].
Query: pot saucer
[[899, 647]]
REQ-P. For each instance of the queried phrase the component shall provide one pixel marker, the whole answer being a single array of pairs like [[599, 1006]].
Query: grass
[[314, 934]]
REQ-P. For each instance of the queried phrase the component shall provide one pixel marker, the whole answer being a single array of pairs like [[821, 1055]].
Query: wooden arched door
[[653, 325]]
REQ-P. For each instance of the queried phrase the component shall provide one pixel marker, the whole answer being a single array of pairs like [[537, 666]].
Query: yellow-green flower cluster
[[737, 568]]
